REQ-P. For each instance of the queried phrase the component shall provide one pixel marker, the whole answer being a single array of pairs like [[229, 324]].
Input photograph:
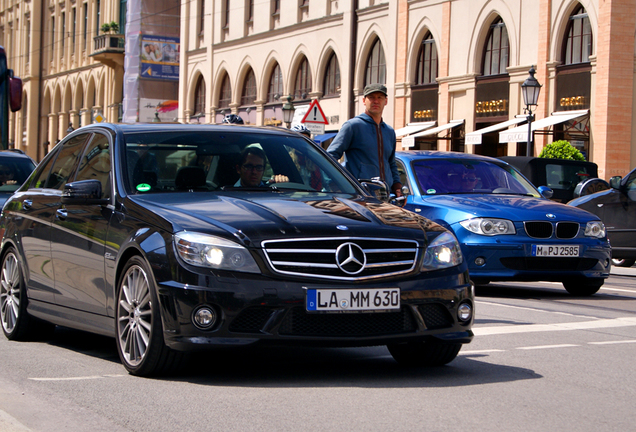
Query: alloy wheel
[[134, 316], [10, 292]]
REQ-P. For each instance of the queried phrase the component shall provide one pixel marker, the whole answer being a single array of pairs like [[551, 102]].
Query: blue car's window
[[452, 176], [164, 162]]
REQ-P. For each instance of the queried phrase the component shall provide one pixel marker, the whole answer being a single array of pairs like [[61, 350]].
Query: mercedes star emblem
[[350, 258]]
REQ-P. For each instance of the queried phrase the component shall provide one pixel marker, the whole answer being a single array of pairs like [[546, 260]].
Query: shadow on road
[[538, 291]]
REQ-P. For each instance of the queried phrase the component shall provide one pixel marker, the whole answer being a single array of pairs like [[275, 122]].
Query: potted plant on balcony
[[111, 27], [105, 28]]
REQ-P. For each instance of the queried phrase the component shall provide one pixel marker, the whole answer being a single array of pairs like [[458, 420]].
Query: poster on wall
[[151, 109], [160, 57]]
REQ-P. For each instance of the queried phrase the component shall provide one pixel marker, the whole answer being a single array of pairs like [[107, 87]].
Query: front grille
[[298, 322], [567, 230], [549, 264], [251, 320], [436, 316], [542, 230], [327, 257]]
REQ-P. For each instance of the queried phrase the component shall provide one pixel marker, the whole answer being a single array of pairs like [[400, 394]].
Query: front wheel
[[623, 262], [424, 353], [583, 287], [139, 331]]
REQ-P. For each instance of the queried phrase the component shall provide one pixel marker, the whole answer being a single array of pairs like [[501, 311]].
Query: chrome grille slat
[[316, 257]]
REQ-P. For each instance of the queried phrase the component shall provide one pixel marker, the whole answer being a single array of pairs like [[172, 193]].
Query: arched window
[[426, 72], [376, 65], [496, 49], [226, 93], [275, 90], [248, 95], [331, 85], [578, 46], [199, 96], [302, 86]]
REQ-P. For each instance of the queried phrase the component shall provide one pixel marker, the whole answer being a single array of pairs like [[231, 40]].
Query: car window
[[95, 163], [565, 176], [64, 165], [448, 176], [164, 162]]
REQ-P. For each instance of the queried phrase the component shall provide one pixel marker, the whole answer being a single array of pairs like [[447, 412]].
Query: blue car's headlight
[[489, 226], [443, 252], [595, 229], [204, 250]]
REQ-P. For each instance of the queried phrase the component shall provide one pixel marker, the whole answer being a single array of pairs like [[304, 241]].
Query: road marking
[[546, 347], [528, 328], [91, 377], [619, 290], [533, 309], [482, 351], [612, 342]]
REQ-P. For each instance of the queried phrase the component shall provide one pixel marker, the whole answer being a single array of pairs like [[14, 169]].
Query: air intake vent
[[541, 230], [567, 230]]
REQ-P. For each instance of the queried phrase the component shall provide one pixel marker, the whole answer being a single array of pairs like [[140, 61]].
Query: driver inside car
[[251, 169]]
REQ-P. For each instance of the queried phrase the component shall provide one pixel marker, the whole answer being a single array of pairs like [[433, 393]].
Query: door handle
[[27, 204], [61, 214]]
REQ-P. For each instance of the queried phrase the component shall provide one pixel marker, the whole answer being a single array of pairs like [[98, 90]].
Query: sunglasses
[[469, 179]]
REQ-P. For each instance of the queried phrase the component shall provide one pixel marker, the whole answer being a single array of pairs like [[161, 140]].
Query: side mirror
[[84, 192], [376, 188], [406, 191], [545, 192], [615, 182]]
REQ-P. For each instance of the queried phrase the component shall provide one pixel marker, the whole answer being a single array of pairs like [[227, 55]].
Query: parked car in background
[[15, 168], [617, 209], [568, 179], [145, 233], [507, 230]]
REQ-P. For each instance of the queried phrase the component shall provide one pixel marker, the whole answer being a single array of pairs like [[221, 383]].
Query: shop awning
[[520, 133], [439, 129], [324, 137], [475, 137], [411, 128]]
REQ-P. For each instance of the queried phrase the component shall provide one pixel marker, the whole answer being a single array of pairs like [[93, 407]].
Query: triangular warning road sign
[[314, 114]]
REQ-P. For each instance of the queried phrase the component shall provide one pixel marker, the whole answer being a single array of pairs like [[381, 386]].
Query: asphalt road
[[541, 360]]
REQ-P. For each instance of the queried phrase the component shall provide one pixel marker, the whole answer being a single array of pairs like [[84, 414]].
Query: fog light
[[464, 312], [480, 261], [204, 318]]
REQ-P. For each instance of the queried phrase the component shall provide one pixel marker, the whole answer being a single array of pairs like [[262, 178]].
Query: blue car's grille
[[342, 258], [544, 229]]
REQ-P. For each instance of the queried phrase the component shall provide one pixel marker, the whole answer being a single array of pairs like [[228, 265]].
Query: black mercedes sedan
[[172, 238]]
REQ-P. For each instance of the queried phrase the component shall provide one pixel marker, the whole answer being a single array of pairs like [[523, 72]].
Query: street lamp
[[288, 111], [530, 90]]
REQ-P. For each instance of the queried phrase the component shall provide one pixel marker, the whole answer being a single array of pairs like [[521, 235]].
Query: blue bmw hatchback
[[507, 229]]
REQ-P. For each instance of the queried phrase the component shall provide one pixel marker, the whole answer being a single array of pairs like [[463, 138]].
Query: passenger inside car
[[251, 168], [6, 175]]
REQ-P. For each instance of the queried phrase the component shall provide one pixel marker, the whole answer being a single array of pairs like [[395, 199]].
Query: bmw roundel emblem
[[342, 227], [551, 216]]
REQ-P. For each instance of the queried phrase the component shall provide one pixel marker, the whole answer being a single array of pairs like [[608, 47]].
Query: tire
[[17, 324], [140, 343], [623, 262], [424, 353], [583, 287]]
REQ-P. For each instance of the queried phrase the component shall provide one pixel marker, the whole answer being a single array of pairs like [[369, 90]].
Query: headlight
[[443, 252], [595, 229], [489, 226], [204, 250]]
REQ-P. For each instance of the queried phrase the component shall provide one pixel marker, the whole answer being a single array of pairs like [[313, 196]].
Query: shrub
[[105, 28], [561, 150]]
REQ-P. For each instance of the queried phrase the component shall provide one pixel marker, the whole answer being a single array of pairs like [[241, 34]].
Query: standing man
[[368, 143]]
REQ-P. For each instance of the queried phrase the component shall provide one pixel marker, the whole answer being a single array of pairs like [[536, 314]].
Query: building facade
[[454, 68]]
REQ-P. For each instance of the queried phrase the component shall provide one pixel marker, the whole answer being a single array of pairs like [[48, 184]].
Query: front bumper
[[507, 261], [255, 309]]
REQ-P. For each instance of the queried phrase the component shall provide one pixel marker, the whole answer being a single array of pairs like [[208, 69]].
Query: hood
[[455, 208], [259, 216]]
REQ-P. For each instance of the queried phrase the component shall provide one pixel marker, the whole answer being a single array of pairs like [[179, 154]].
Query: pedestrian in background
[[368, 143]]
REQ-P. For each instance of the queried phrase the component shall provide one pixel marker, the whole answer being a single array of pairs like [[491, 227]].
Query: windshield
[[222, 161], [13, 172], [454, 176]]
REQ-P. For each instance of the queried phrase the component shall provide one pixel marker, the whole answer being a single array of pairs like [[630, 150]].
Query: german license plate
[[555, 251], [351, 300]]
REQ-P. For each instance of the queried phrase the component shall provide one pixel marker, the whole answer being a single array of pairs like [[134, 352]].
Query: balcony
[[109, 49]]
